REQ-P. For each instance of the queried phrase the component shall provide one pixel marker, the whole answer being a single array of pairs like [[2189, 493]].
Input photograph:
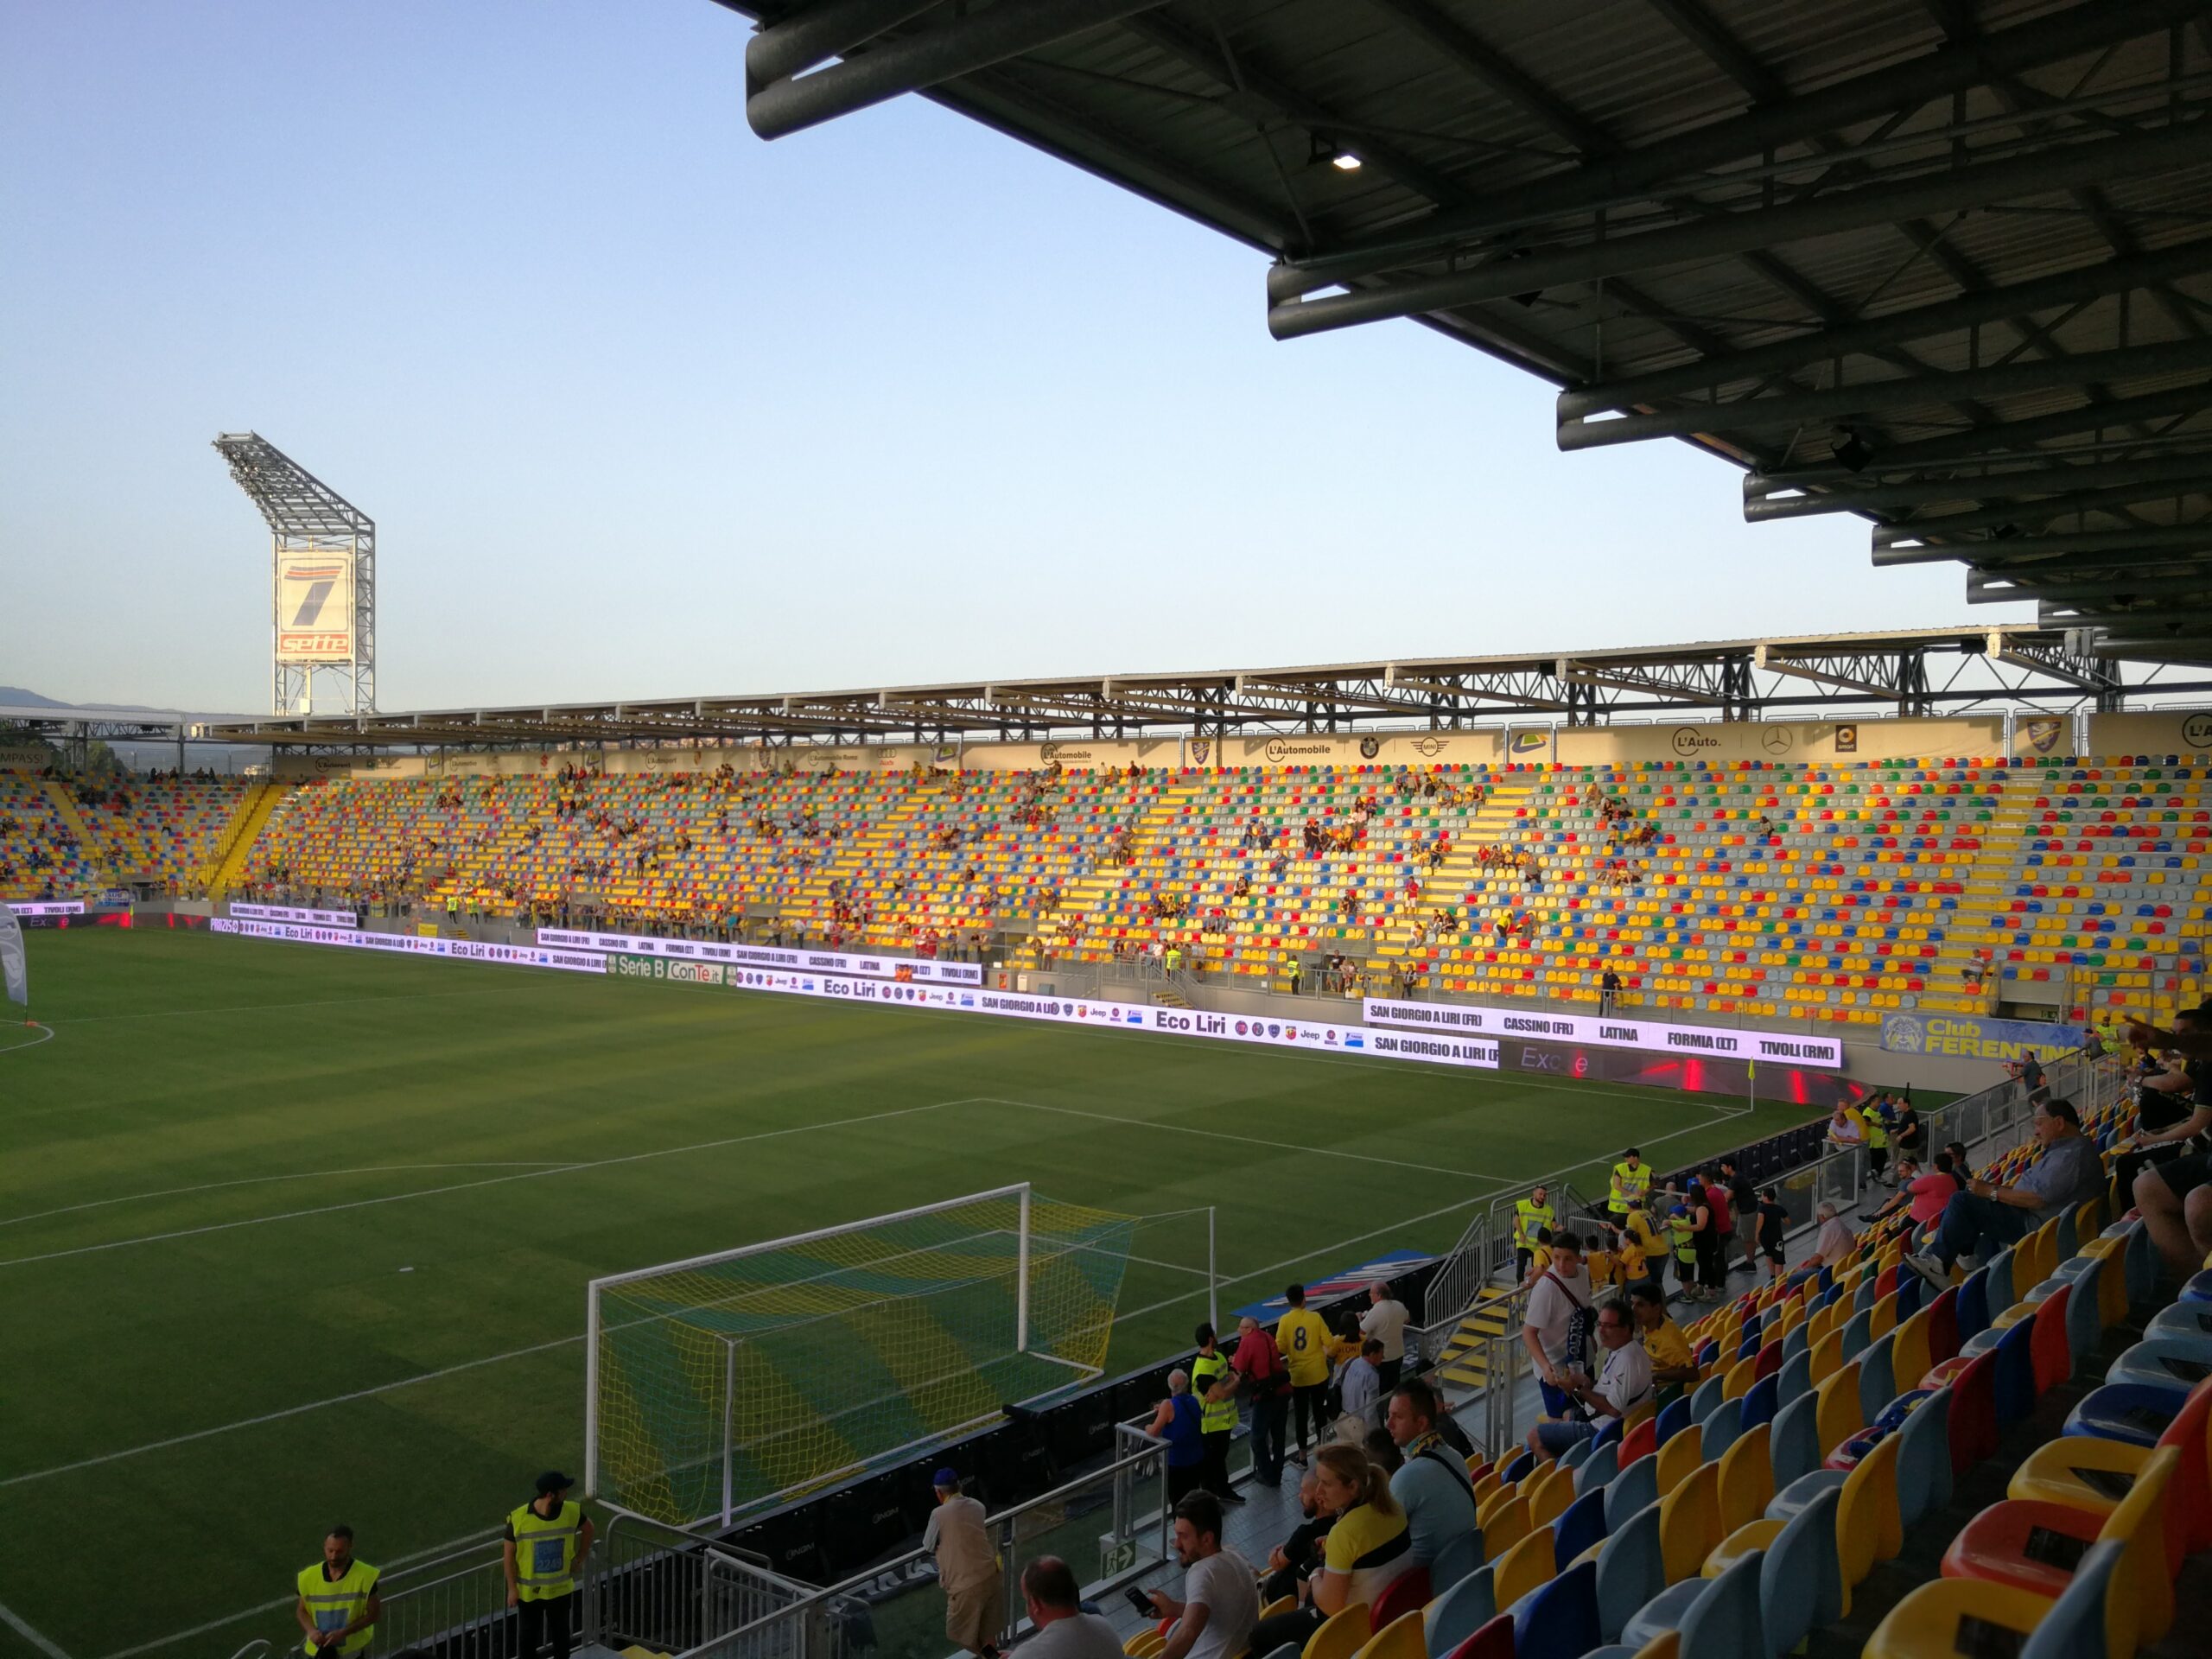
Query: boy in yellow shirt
[[1304, 1338]]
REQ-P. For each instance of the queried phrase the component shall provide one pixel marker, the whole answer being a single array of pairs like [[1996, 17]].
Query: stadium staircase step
[[1491, 826], [861, 852], [96, 849], [1088, 893], [1982, 925], [226, 867], [1466, 1360]]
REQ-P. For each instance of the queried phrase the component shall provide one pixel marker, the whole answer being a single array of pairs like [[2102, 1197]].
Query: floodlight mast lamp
[[306, 515]]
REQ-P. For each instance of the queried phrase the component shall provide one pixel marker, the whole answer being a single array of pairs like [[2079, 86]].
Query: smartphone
[[1141, 1601]]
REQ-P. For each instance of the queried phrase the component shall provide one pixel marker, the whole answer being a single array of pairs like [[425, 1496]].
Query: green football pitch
[[289, 1236]]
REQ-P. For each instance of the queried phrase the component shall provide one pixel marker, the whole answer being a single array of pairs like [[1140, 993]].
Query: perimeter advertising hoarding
[[314, 607], [917, 970], [1317, 1037], [48, 907], [1975, 1037], [520, 956], [1608, 1031], [293, 913]]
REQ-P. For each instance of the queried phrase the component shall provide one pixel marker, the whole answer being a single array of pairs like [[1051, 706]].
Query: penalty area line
[[16, 1623]]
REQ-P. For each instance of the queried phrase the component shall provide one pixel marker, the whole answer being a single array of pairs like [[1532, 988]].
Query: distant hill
[[15, 697]]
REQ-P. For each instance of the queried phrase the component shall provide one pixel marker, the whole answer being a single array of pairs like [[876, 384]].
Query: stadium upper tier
[[1833, 891], [64, 838]]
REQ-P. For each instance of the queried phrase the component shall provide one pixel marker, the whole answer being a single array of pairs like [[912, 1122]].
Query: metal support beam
[[1826, 344], [1913, 391], [1770, 498], [1993, 440], [2082, 29], [1972, 185], [776, 108], [815, 33], [2031, 549], [2031, 515]]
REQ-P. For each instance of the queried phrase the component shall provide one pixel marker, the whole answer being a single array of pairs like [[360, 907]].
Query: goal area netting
[[720, 1383]]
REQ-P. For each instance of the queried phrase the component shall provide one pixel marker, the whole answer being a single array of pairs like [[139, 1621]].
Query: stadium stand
[[1835, 892], [64, 839]]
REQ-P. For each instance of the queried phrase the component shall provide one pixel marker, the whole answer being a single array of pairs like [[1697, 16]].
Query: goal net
[[719, 1383]]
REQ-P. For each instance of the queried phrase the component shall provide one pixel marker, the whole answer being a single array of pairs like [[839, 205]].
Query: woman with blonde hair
[[1368, 1546]]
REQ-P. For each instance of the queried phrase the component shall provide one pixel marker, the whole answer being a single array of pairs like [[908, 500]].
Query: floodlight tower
[[323, 579]]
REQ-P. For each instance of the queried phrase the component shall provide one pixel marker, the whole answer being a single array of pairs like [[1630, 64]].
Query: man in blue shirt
[[1986, 1217], [1177, 1423], [1433, 1485]]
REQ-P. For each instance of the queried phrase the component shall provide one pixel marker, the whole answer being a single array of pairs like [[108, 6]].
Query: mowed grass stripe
[[125, 1347]]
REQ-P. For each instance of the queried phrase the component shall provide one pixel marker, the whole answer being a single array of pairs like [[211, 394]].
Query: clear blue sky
[[643, 406]]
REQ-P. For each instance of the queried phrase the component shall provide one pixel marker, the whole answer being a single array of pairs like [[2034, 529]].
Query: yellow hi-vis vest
[[1529, 1218], [335, 1604], [1685, 1231], [1629, 1187], [545, 1550], [1215, 1416], [1878, 1128]]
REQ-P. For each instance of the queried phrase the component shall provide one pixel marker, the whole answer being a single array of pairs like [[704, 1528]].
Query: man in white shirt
[[966, 1566], [1063, 1631], [1385, 1320], [1623, 1384], [1362, 1380], [1561, 1291], [1221, 1593]]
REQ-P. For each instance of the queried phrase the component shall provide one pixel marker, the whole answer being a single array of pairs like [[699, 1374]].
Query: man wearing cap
[[339, 1604], [546, 1540], [966, 1566]]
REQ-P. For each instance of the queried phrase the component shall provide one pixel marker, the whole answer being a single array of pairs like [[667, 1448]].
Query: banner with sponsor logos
[[314, 606], [920, 970], [48, 907], [1608, 1031], [1975, 1037], [293, 913], [410, 945], [1312, 1038]]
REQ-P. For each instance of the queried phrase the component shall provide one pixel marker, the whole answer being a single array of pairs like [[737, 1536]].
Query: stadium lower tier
[[1833, 891]]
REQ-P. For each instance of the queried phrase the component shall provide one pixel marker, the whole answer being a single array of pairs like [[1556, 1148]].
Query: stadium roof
[[1917, 672], [1942, 264]]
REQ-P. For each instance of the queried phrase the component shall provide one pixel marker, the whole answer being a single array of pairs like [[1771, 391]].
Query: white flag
[[15, 972]]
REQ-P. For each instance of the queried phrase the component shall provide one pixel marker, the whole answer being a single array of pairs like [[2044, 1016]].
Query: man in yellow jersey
[[1215, 1385], [339, 1604], [1631, 1180], [1303, 1339], [546, 1540], [1531, 1216]]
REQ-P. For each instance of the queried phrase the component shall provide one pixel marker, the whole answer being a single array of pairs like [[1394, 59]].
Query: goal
[[718, 1385]]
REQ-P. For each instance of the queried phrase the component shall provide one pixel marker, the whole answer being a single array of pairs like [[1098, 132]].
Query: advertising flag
[[15, 972]]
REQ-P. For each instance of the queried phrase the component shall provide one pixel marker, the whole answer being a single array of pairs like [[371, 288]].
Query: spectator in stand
[[1608, 990], [1986, 1217], [1221, 1593], [1559, 1302], [1743, 1203], [1673, 1367], [1298, 1556], [1847, 1129], [1385, 1320], [1431, 1484], [1831, 1245], [1709, 1212], [1381, 1451], [1063, 1630], [1303, 1336], [1622, 1383], [1368, 1548], [1264, 1380], [966, 1566], [1773, 1229], [1177, 1422], [1906, 1129], [1362, 1380]]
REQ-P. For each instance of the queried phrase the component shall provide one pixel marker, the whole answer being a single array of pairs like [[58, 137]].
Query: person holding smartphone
[[1221, 1593]]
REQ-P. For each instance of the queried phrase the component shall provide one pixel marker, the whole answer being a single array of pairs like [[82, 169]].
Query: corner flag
[[15, 972]]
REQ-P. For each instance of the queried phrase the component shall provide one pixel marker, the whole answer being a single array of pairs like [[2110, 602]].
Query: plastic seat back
[[1707, 1396], [1459, 1558], [2093, 1618], [1877, 1383], [2048, 1349], [1972, 1426], [2016, 1373], [1492, 1640], [1552, 1495], [1725, 1620], [1795, 1378], [1671, 1422], [1522, 1568], [1801, 1585], [1825, 1360], [1560, 1621], [1640, 1442], [1910, 1354], [1583, 1525], [1837, 1415], [1635, 1488], [1794, 1447], [1463, 1608], [1630, 1570], [1867, 1526], [1689, 1522], [1342, 1634], [1399, 1637], [1505, 1526], [1998, 1282], [1943, 1327], [1972, 1304], [1598, 1469], [1721, 1429], [1924, 1458], [1746, 1479], [1676, 1458], [1403, 1594], [2085, 1317]]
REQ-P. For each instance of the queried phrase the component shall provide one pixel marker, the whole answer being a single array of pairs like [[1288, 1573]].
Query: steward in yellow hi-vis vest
[[546, 1541], [1631, 1180], [338, 1603]]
